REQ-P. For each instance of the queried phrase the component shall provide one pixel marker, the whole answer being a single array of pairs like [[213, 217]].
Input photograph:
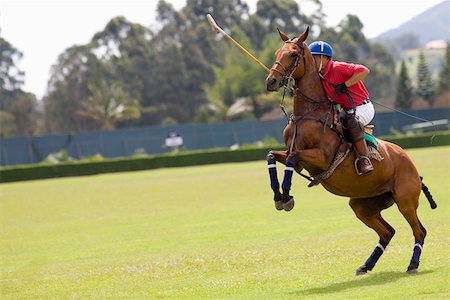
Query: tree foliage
[[108, 105], [444, 74], [425, 85], [404, 94], [18, 109], [182, 73], [68, 86], [11, 77], [179, 71]]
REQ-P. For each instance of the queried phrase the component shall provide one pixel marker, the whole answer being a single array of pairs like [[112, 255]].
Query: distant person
[[339, 79]]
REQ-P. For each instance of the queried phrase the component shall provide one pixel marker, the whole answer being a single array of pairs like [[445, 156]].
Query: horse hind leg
[[406, 196], [368, 211], [409, 211]]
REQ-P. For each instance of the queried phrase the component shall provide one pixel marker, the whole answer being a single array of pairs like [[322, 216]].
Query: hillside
[[432, 24]]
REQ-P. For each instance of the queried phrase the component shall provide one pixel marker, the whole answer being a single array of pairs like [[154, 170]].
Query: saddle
[[371, 142], [344, 150]]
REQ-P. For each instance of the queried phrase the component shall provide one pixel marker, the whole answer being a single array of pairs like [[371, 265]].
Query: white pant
[[364, 113]]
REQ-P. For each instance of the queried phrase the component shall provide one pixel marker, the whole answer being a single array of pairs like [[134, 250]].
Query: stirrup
[[361, 157]]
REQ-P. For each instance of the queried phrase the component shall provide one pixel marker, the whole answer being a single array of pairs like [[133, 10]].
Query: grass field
[[211, 232]]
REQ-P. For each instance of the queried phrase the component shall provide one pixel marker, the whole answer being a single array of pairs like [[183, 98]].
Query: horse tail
[[428, 194]]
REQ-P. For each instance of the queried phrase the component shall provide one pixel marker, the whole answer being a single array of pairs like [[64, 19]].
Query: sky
[[42, 30]]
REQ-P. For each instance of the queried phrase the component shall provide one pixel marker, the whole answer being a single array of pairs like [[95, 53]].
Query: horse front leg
[[288, 200], [272, 158], [283, 201]]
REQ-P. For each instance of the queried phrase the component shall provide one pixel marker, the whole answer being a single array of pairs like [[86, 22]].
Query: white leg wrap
[[380, 246]]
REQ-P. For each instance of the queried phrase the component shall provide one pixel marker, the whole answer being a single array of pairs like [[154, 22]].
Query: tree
[[256, 30], [11, 77], [185, 53], [240, 77], [444, 74], [182, 73], [119, 54], [18, 109], [228, 13], [425, 86], [7, 124], [167, 84], [284, 14], [404, 94], [108, 105], [125, 47], [68, 85]]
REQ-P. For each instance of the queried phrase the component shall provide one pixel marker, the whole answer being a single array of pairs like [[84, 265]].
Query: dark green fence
[[150, 140], [29, 172]]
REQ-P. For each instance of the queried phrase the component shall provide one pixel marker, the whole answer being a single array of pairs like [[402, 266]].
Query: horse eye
[[295, 54]]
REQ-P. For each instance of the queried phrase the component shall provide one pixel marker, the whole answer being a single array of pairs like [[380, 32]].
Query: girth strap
[[339, 157]]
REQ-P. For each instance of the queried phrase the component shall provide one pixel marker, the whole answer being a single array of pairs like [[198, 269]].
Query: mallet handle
[[217, 29]]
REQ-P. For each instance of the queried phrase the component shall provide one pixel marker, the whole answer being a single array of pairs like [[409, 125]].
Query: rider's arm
[[357, 76]]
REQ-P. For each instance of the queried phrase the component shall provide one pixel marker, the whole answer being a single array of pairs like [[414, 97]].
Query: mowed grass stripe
[[211, 232]]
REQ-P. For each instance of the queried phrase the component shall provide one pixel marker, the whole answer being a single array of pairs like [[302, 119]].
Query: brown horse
[[313, 144]]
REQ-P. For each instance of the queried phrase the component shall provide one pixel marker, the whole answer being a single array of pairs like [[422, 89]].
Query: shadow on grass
[[364, 280]]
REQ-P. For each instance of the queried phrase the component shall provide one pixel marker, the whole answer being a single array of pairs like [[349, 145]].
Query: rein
[[289, 82]]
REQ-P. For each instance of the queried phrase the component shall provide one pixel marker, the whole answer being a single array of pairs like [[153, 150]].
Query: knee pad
[[353, 129]]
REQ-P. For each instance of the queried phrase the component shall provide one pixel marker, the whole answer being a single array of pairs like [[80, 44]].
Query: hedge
[[29, 172]]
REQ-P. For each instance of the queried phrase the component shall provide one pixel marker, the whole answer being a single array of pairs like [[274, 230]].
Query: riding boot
[[363, 164]]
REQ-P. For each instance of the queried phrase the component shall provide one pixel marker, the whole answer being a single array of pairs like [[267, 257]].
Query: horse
[[313, 143]]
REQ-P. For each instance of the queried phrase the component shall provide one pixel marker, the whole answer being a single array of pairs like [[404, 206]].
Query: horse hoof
[[412, 268], [361, 271], [288, 206], [279, 205]]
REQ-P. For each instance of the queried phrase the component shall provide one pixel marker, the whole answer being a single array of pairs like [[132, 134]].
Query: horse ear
[[283, 36], [303, 36]]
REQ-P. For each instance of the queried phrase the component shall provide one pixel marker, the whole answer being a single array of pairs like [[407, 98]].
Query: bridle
[[287, 72]]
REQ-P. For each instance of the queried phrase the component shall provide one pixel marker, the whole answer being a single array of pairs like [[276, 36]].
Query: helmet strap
[[321, 63]]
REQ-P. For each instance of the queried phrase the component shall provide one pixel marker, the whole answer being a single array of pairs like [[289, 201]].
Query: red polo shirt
[[338, 72]]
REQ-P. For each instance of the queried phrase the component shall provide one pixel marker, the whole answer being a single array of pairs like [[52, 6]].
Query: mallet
[[217, 29]]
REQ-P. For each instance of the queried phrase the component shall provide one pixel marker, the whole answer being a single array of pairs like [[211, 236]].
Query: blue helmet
[[321, 48]]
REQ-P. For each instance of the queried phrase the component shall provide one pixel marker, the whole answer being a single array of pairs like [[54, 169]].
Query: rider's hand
[[341, 88]]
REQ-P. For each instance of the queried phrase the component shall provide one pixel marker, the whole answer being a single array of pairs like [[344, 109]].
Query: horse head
[[290, 60]]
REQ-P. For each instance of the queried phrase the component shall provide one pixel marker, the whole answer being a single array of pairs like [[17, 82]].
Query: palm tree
[[107, 105]]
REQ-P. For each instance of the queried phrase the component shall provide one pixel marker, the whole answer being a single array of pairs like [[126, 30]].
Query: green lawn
[[211, 232]]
